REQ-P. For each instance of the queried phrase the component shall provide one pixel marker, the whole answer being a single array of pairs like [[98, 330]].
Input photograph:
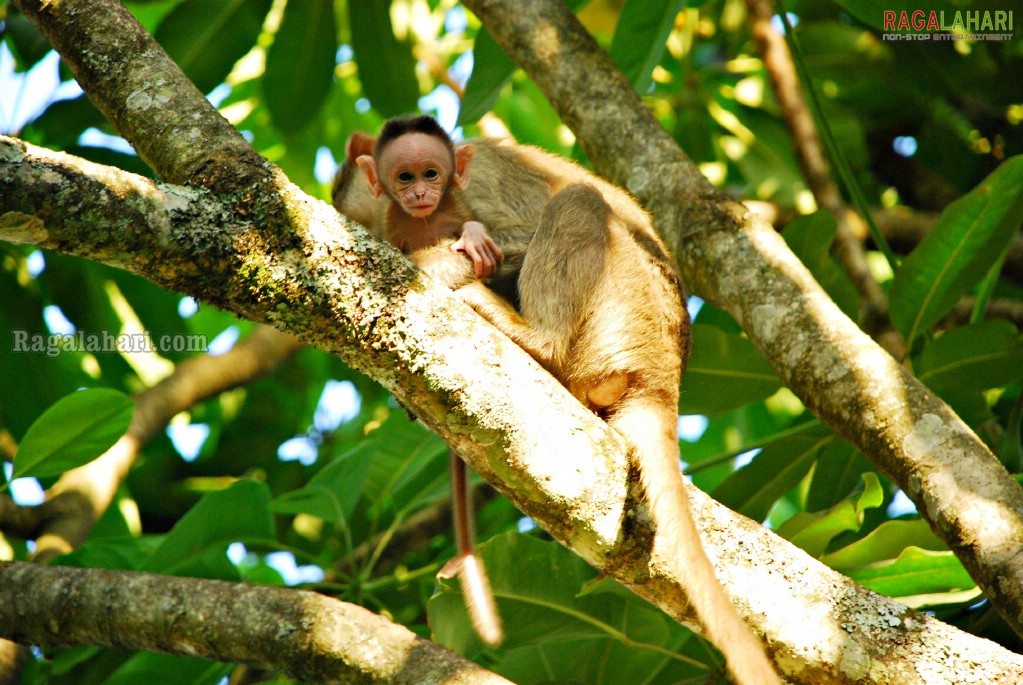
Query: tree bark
[[305, 635]]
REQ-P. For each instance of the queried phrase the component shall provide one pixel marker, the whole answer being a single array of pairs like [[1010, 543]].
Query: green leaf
[[985, 355], [725, 372], [242, 511], [207, 37], [74, 431], [914, 572], [491, 71], [386, 66], [305, 44], [810, 238], [333, 492], [640, 37], [28, 46], [813, 532], [885, 543], [839, 470], [780, 466], [167, 669], [966, 240], [555, 626]]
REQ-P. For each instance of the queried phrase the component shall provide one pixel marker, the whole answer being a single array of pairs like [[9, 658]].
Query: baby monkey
[[415, 165]]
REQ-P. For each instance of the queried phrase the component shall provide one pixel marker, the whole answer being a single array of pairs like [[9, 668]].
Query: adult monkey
[[599, 306]]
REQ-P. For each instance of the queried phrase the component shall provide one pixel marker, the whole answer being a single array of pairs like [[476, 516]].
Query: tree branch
[[739, 263], [305, 635]]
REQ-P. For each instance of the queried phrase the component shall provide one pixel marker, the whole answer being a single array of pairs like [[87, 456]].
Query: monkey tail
[[472, 576], [652, 437], [479, 600]]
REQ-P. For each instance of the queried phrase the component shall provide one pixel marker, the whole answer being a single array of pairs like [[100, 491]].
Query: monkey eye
[[406, 177], [431, 174]]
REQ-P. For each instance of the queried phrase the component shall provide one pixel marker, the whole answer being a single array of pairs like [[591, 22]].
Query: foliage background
[[318, 463]]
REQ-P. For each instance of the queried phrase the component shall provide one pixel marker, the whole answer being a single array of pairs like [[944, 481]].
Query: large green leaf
[[810, 238], [813, 532], [640, 36], [885, 543], [753, 489], [167, 669], [304, 45], [207, 37], [915, 572], [74, 431], [966, 240], [555, 626], [724, 372], [333, 492], [491, 70], [386, 66], [240, 512], [985, 355]]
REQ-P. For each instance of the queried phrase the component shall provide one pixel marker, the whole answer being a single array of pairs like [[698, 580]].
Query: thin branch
[[305, 635]]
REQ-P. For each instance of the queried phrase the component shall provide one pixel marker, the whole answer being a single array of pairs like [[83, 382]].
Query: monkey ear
[[359, 144], [369, 167], [463, 155]]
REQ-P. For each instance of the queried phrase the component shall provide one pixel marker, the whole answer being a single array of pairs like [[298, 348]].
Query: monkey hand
[[475, 242]]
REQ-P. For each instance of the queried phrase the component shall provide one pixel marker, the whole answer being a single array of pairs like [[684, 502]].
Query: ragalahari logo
[[975, 25]]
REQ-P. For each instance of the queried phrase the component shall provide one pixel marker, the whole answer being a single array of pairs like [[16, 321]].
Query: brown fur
[[599, 306]]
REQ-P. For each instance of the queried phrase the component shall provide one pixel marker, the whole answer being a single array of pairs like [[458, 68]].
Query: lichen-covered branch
[[308, 636], [742, 265]]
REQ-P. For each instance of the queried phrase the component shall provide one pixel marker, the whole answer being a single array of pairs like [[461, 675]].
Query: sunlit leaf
[[884, 543], [569, 609], [491, 71], [74, 431], [640, 35], [812, 532], [914, 572], [332, 493], [956, 254]]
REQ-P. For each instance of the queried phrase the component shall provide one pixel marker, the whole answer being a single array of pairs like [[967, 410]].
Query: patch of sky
[[225, 341], [188, 439]]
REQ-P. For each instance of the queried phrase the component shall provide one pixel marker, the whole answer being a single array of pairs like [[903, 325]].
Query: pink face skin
[[416, 170]]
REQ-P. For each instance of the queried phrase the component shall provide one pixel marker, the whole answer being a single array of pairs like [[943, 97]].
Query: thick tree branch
[[305, 635], [508, 418], [817, 172], [742, 265]]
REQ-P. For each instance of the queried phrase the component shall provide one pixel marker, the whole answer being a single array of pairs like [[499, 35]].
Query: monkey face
[[416, 171]]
